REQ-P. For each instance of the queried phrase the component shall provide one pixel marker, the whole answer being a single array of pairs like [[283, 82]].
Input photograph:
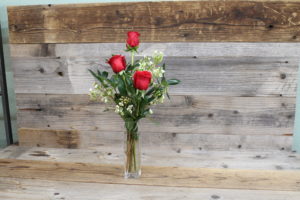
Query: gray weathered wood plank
[[226, 76], [197, 121], [169, 49], [183, 114]]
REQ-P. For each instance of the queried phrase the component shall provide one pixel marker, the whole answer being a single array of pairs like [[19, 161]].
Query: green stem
[[132, 162], [132, 58]]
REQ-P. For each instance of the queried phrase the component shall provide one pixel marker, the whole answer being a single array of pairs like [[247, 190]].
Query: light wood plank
[[163, 156], [223, 76], [24, 189], [189, 49], [179, 21], [30, 137], [159, 176]]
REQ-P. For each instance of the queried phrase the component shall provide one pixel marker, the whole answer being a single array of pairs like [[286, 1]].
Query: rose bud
[[133, 39], [142, 79], [117, 63]]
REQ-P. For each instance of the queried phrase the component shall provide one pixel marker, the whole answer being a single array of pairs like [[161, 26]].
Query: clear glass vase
[[132, 154]]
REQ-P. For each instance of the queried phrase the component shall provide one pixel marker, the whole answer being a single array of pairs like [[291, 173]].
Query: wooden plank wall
[[232, 96]]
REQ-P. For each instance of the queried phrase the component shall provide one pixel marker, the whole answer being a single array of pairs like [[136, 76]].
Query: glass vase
[[132, 154]]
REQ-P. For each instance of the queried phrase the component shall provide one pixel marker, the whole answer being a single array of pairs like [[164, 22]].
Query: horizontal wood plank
[[30, 137], [163, 156], [20, 189], [198, 49], [183, 114], [159, 176], [179, 21], [197, 121], [223, 76]]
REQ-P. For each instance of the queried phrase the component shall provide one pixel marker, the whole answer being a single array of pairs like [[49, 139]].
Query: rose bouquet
[[133, 89]]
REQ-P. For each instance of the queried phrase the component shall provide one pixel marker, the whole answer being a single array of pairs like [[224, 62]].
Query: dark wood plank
[[180, 21], [30, 137], [155, 176]]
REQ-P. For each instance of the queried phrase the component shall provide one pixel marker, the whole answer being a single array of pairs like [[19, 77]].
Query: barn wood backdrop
[[236, 95]]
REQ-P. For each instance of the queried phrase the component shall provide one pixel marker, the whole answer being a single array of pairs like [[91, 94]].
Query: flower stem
[[132, 58]]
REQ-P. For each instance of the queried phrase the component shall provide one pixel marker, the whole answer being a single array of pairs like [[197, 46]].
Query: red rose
[[133, 39], [142, 79], [117, 63]]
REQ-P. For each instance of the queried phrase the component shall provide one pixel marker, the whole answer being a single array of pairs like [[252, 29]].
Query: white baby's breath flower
[[117, 110], [150, 111], [129, 109], [158, 57]]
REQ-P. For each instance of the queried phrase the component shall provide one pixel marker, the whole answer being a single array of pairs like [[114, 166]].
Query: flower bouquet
[[133, 88]]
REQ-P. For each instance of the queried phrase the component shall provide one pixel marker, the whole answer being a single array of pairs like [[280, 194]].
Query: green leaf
[[105, 74], [96, 76], [150, 91], [121, 87], [173, 81], [168, 95], [164, 82]]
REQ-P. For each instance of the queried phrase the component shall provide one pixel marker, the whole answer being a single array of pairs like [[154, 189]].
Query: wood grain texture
[[30, 137], [222, 76], [222, 122], [184, 114], [159, 176], [26, 189], [163, 156], [190, 49], [174, 21], [202, 117]]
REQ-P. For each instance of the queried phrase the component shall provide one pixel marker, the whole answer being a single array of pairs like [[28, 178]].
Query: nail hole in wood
[[215, 196], [60, 73], [289, 116], [41, 70], [282, 76]]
